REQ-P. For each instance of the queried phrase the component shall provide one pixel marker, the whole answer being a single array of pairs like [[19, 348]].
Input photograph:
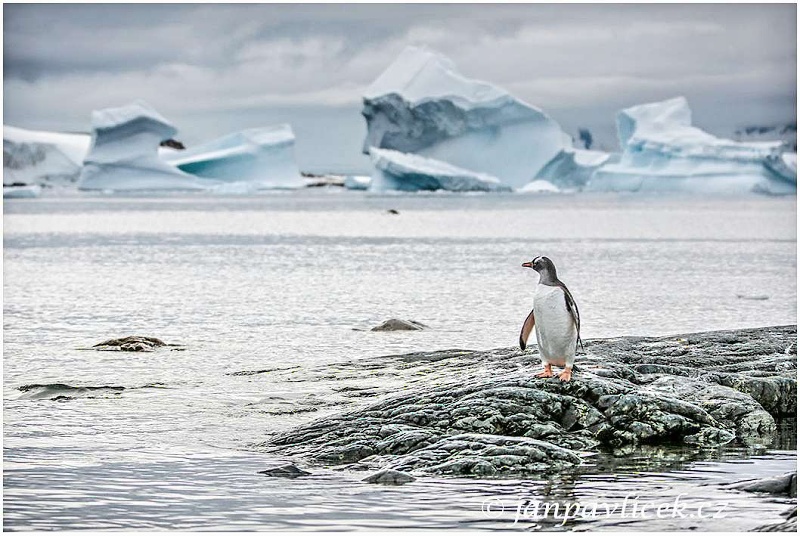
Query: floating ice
[[259, 157], [27, 191], [38, 157], [357, 182], [663, 151], [571, 168], [539, 187], [125, 152], [422, 105], [409, 172]]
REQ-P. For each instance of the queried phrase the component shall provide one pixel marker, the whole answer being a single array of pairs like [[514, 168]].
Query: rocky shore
[[485, 414]]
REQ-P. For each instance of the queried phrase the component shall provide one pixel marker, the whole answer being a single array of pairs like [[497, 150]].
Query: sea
[[288, 284]]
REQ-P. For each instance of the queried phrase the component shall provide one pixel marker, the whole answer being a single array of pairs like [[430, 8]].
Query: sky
[[216, 68]]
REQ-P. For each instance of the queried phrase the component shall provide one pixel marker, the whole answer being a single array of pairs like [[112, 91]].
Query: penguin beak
[[527, 265]]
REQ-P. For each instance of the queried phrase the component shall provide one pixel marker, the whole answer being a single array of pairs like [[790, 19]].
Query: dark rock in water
[[759, 297], [395, 324], [790, 525], [132, 343], [775, 485], [63, 391], [285, 471], [487, 414], [321, 181], [390, 477]]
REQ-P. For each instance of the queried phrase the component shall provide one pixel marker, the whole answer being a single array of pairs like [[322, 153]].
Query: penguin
[[556, 319]]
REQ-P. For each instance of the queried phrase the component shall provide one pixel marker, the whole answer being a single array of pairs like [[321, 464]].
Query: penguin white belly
[[556, 333]]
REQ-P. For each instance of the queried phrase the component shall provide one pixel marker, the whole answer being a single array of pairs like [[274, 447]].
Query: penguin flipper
[[572, 307], [526, 330]]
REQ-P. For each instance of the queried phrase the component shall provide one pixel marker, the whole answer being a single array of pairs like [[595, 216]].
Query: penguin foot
[[546, 373], [566, 375]]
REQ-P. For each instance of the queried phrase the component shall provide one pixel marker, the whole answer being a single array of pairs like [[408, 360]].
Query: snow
[[662, 151], [422, 105], [419, 74], [124, 155], [261, 157], [39, 157], [409, 172]]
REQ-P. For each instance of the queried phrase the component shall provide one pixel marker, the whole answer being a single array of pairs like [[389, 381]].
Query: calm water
[[284, 282]]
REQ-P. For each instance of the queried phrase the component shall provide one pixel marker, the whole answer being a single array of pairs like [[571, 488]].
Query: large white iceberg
[[662, 151], [260, 157], [409, 172], [422, 105], [124, 155], [34, 157]]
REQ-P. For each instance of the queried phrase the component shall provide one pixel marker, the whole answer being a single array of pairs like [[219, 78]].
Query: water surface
[[282, 285]]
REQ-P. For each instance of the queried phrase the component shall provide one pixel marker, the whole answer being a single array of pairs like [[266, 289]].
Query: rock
[[485, 413], [393, 211], [785, 484], [487, 455], [390, 477], [173, 144], [790, 525], [285, 471], [132, 343], [395, 324]]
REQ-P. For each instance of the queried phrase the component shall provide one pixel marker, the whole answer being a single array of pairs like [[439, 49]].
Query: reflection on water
[[265, 293], [215, 490]]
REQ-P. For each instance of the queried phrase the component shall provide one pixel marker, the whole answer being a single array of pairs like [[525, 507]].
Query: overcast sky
[[213, 69]]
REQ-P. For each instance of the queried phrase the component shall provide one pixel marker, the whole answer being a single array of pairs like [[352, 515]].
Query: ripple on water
[[266, 292]]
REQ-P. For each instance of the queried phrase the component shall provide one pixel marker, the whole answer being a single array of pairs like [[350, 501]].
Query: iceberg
[[21, 191], [571, 169], [662, 151], [262, 158], [42, 158], [420, 104], [132, 148], [124, 155], [357, 182], [410, 172], [539, 187]]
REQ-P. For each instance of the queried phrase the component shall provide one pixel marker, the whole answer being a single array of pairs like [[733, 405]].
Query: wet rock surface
[[790, 525], [389, 477], [485, 414], [132, 343], [396, 324], [284, 471], [785, 484]]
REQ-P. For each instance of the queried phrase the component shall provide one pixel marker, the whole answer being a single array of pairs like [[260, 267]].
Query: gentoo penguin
[[556, 318]]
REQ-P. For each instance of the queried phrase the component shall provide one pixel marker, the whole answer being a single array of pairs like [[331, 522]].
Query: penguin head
[[543, 265]]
